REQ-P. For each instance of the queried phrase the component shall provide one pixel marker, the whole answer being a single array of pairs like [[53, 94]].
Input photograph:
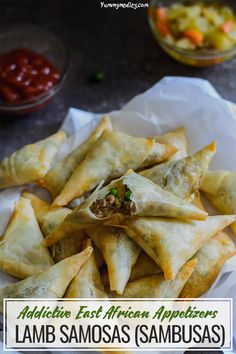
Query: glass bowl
[[43, 42], [200, 58]]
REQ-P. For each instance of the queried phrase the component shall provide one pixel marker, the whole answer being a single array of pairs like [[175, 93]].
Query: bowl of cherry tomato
[[198, 33], [33, 66]]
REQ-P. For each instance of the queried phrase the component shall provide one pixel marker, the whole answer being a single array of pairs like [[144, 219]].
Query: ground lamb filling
[[110, 205]]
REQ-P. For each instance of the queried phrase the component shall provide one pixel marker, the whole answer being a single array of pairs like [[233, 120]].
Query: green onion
[[127, 195], [114, 191]]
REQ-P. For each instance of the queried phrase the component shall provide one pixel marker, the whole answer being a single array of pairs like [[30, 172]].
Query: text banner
[[101, 324]]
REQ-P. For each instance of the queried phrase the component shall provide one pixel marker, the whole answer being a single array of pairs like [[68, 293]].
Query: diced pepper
[[195, 36]]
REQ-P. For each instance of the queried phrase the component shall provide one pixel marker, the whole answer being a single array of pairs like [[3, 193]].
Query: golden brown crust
[[211, 257]]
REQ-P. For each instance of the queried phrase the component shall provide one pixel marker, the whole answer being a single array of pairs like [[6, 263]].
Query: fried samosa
[[119, 252], [156, 286], [220, 189], [21, 251], [64, 248], [87, 283], [159, 153], [131, 194], [112, 155], [182, 177], [211, 257], [48, 220], [52, 219], [171, 242], [39, 205], [178, 139], [51, 283], [197, 201], [144, 266], [57, 177], [31, 162]]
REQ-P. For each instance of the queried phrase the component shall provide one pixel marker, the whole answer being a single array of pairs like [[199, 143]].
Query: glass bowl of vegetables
[[198, 33]]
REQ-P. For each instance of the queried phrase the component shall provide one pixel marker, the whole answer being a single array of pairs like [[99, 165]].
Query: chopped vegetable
[[114, 191], [161, 14], [195, 36], [163, 28], [193, 11], [127, 195], [219, 40], [162, 21], [213, 15], [185, 43]]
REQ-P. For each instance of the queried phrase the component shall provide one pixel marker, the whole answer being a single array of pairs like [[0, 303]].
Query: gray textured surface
[[118, 42]]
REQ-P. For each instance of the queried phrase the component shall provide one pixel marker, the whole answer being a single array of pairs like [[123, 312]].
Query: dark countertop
[[118, 42]]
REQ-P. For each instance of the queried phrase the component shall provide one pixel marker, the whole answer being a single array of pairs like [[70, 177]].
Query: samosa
[[57, 177], [171, 242], [119, 252], [40, 206], [31, 162], [64, 248], [182, 177], [51, 283], [211, 257], [156, 286], [144, 266], [178, 139], [21, 251], [220, 189], [87, 283], [131, 194], [112, 155]]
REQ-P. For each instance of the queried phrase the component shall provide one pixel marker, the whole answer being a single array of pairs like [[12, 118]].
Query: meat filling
[[110, 205]]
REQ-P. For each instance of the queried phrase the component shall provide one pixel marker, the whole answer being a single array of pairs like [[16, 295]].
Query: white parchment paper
[[171, 103]]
